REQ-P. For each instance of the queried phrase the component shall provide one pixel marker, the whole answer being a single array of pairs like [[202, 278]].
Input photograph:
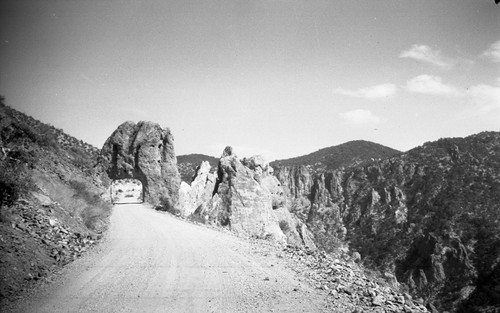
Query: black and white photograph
[[250, 156]]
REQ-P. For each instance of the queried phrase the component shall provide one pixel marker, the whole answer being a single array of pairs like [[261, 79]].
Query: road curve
[[154, 262]]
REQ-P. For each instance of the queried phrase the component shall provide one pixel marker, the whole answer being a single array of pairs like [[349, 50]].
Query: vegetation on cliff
[[431, 216], [51, 204], [331, 158]]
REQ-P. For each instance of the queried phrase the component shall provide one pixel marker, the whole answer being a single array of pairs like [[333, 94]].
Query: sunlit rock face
[[242, 201], [144, 151], [199, 193], [249, 199]]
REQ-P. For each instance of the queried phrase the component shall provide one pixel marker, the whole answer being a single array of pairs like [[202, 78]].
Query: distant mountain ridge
[[325, 159], [335, 157], [188, 163]]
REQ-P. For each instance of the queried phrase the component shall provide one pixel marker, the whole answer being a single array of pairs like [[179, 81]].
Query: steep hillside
[[429, 216], [50, 196], [188, 163], [334, 157]]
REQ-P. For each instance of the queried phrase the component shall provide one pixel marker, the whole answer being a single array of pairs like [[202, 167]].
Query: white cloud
[[426, 54], [360, 117], [486, 96], [493, 52], [431, 85], [370, 93], [484, 103]]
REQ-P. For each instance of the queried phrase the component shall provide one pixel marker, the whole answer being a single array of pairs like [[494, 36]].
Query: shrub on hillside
[[21, 131], [10, 188], [284, 226], [81, 191], [13, 180], [97, 211], [167, 205], [94, 216], [81, 160]]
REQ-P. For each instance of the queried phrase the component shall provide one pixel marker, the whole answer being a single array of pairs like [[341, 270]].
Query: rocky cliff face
[[430, 216], [297, 179], [144, 151]]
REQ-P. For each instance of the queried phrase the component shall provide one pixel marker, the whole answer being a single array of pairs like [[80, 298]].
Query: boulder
[[43, 199], [199, 193], [144, 151]]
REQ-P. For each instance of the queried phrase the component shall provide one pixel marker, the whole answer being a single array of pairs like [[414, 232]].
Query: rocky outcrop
[[144, 151], [246, 195], [247, 198], [429, 217], [197, 195], [297, 182]]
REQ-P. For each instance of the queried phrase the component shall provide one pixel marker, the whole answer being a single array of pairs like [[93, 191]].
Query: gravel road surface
[[154, 262]]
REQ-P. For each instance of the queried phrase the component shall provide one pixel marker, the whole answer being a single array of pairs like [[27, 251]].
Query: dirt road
[[153, 262]]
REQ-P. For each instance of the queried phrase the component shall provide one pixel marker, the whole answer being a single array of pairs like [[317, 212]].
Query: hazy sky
[[280, 78]]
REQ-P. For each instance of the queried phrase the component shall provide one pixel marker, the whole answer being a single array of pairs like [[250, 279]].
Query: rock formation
[[144, 151], [429, 216], [297, 179], [199, 193], [246, 197]]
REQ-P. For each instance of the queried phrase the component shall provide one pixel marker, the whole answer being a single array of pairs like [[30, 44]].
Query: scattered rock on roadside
[[347, 284]]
